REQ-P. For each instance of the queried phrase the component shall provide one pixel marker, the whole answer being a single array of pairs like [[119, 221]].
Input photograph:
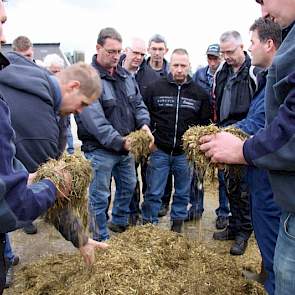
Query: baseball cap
[[213, 49]]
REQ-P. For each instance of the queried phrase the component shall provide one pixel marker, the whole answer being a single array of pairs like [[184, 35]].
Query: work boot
[[30, 228], [15, 260], [239, 247], [9, 276], [117, 228], [254, 276], [224, 235], [177, 226], [221, 222], [163, 210]]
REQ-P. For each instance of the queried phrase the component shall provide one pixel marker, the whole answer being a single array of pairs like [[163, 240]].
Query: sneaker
[[163, 210], [30, 229], [221, 222], [9, 276], [193, 215], [224, 235], [117, 228], [239, 247], [177, 226]]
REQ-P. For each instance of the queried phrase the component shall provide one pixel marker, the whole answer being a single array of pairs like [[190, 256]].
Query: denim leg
[[8, 253], [102, 163], [266, 221], [196, 195], [156, 177], [135, 200], [284, 260], [2, 263], [168, 191], [223, 209], [182, 181], [70, 141], [125, 179]]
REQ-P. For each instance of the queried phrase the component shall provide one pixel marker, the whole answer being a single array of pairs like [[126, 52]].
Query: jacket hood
[[25, 76]]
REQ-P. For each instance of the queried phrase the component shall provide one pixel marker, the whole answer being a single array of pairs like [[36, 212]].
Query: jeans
[[197, 196], [284, 260], [266, 221], [8, 253], [122, 167], [70, 141], [160, 163], [2, 263]]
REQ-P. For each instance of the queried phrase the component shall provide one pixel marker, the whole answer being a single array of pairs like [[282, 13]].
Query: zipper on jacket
[[176, 116]]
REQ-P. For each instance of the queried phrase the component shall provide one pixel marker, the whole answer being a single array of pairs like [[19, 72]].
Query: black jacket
[[242, 91], [173, 109]]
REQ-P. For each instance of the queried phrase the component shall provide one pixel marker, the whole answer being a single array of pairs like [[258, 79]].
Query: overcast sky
[[191, 24]]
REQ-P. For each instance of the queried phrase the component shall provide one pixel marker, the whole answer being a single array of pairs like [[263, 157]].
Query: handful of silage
[[140, 141], [81, 173], [195, 156]]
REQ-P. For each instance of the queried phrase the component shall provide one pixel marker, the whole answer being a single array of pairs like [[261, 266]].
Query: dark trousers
[[239, 201], [2, 263]]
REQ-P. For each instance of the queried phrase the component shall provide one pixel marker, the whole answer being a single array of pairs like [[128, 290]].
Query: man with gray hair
[[234, 86]]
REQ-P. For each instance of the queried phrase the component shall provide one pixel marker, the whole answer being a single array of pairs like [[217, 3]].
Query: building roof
[[41, 50]]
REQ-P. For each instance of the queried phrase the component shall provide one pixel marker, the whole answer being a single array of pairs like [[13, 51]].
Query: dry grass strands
[[144, 260], [139, 144], [197, 158], [81, 172]]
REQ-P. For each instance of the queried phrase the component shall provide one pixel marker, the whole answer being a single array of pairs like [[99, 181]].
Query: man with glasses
[[235, 84], [103, 127]]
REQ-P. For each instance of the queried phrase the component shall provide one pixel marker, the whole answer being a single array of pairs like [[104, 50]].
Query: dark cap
[[213, 49]]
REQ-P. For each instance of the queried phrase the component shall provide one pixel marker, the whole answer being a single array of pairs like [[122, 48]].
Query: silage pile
[[144, 260]]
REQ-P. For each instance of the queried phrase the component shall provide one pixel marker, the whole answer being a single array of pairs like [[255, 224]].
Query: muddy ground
[[48, 241]]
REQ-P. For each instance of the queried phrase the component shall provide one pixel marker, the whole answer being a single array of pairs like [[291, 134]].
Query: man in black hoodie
[[175, 103]]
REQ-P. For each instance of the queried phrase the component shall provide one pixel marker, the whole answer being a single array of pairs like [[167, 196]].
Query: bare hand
[[88, 251], [148, 130], [223, 147], [127, 144], [31, 178], [64, 190]]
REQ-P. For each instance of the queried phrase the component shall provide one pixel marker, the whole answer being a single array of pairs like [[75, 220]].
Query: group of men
[[137, 93]]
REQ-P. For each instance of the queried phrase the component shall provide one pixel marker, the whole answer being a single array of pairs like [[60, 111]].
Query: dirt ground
[[48, 241]]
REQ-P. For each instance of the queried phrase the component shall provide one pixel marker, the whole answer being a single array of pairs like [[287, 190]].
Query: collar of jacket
[[104, 74], [4, 62], [286, 30], [172, 81]]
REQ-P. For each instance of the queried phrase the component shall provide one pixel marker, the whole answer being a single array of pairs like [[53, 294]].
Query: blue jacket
[[119, 111], [273, 147], [255, 119], [201, 79], [18, 202], [30, 94]]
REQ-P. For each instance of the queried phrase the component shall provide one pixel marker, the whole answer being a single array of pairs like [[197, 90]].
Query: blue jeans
[[197, 197], [122, 167], [70, 141], [8, 253], [265, 220], [284, 260], [159, 165]]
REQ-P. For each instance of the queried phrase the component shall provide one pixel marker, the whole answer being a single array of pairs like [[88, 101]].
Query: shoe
[[9, 276], [224, 235], [239, 247], [193, 215], [163, 210], [253, 276], [30, 229], [15, 260], [117, 228], [177, 226], [221, 222], [133, 219]]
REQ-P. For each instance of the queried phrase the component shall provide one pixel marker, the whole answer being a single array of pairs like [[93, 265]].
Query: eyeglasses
[[113, 51], [259, 2], [229, 52]]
